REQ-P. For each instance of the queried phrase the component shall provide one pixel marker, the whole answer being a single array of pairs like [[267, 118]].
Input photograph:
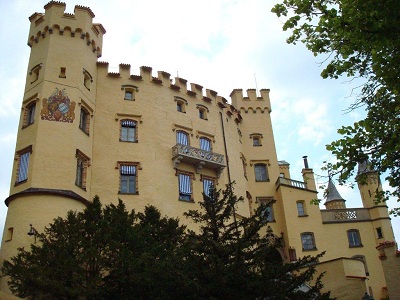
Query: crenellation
[[125, 70], [182, 83], [197, 89], [145, 73], [164, 77], [252, 94], [236, 97]]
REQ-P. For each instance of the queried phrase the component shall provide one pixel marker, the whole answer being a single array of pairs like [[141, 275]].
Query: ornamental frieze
[[58, 107]]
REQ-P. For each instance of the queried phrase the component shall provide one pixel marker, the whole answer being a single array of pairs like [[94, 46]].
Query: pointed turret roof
[[332, 193]]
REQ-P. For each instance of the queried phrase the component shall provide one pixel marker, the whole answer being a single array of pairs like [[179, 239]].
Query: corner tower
[[51, 172]]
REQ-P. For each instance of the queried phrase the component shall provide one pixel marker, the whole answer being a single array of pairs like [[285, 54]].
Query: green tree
[[100, 253], [361, 38], [227, 258]]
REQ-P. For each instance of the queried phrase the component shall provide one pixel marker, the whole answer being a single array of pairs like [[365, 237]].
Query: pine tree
[[228, 257]]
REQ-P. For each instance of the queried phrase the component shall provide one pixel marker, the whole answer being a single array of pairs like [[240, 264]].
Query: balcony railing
[[290, 182], [345, 215], [198, 157]]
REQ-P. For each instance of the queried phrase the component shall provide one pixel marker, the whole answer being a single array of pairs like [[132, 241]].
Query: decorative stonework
[[58, 107]]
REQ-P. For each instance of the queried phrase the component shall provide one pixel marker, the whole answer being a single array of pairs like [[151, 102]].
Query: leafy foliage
[[361, 39], [110, 253]]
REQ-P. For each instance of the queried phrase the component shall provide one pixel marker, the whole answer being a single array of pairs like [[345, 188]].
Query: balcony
[[345, 215], [291, 183], [198, 157]]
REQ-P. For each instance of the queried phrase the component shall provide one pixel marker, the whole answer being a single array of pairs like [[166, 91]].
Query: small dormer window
[[129, 92], [181, 104], [256, 137], [35, 72], [87, 79], [203, 110]]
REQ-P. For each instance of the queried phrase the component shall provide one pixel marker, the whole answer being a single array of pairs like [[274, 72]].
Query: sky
[[221, 45]]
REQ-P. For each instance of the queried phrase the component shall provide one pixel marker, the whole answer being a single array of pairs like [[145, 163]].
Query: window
[[379, 232], [128, 95], [185, 186], [205, 144], [202, 111], [301, 211], [29, 114], [128, 178], [208, 185], [354, 238], [256, 139], [84, 120], [62, 73], [128, 131], [267, 202], [269, 213], [181, 104], [35, 73], [307, 241], [129, 92], [261, 173], [23, 164], [82, 163], [87, 79], [182, 138], [292, 254], [10, 233]]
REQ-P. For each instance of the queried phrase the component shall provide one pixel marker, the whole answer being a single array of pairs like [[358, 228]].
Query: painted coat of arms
[[58, 107]]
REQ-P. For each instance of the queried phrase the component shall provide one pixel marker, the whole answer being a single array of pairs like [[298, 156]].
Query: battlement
[[56, 21], [252, 102], [195, 92]]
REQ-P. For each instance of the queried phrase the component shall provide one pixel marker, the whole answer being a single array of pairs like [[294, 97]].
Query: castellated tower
[[57, 108]]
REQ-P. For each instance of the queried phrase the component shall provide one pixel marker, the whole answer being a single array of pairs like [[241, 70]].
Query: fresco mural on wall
[[58, 107]]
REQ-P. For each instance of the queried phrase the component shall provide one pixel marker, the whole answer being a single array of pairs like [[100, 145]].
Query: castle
[[145, 139]]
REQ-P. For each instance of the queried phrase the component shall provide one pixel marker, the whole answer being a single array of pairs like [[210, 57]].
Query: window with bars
[[82, 163], [84, 120], [205, 144], [261, 172], [128, 131], [353, 236], [308, 241], [29, 114], [185, 187], [182, 138], [128, 178], [23, 164]]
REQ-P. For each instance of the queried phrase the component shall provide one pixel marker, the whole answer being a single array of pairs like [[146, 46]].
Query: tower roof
[[332, 193]]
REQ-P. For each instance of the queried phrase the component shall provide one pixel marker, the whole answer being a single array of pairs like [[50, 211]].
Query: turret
[[333, 199], [55, 137]]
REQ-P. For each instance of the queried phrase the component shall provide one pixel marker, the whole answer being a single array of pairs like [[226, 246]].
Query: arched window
[[205, 144], [182, 138], [353, 236], [128, 131]]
